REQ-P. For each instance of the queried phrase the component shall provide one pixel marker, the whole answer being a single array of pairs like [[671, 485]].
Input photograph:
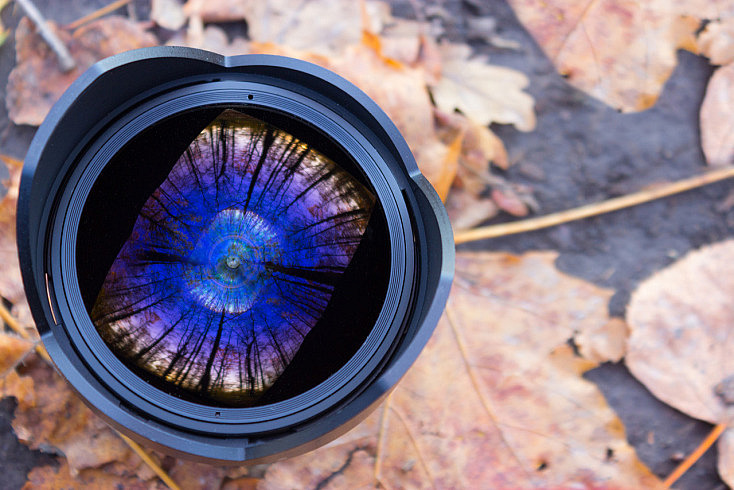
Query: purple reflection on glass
[[232, 261]]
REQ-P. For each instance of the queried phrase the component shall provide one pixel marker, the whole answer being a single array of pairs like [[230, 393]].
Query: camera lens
[[232, 259]]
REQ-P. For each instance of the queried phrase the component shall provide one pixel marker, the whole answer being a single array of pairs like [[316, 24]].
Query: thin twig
[[97, 14], [503, 229], [10, 161], [150, 462], [695, 455], [66, 62], [16, 327]]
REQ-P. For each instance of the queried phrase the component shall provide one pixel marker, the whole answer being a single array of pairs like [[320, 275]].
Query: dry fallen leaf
[[55, 416], [168, 14], [681, 339], [36, 82], [307, 25], [621, 52], [11, 283], [13, 350], [483, 92], [495, 401], [218, 10], [717, 41], [717, 118], [398, 89], [210, 38], [607, 342], [63, 477], [467, 210]]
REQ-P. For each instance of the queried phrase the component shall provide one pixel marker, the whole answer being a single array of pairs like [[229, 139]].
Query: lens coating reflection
[[232, 261]]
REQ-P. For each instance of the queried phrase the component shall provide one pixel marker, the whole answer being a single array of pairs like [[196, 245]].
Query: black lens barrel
[[119, 99]]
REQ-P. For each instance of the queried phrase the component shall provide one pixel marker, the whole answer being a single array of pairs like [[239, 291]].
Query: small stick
[[16, 327], [66, 62], [615, 204], [150, 462], [97, 14], [695, 455]]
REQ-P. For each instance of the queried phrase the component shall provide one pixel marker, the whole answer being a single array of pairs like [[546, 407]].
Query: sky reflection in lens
[[232, 261]]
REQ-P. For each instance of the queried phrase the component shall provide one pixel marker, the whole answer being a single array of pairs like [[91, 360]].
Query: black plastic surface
[[90, 114]]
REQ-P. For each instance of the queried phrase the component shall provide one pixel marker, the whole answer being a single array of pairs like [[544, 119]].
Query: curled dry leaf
[[11, 283], [468, 203], [717, 41], [51, 416], [398, 89], [621, 52], [495, 401], [36, 82], [483, 92], [682, 336], [55, 416], [717, 118], [607, 342], [467, 210], [168, 14]]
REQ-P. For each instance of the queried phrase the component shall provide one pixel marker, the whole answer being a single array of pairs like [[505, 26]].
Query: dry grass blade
[[15, 326], [615, 204], [695, 455], [150, 462], [97, 14]]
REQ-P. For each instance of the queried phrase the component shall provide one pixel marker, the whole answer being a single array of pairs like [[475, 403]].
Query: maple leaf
[[681, 339], [36, 82], [717, 117], [482, 92], [620, 52], [495, 400]]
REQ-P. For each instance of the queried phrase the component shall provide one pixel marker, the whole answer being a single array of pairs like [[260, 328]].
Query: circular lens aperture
[[232, 261]]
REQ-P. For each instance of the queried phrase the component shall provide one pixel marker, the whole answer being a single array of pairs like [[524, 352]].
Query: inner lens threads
[[231, 258]]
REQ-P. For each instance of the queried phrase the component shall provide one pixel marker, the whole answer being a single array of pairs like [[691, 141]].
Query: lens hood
[[233, 259]]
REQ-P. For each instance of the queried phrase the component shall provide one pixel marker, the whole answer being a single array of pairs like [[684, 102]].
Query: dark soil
[[584, 151], [581, 152]]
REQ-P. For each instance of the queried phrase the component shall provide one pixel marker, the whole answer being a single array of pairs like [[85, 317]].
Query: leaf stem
[[695, 455], [589, 210]]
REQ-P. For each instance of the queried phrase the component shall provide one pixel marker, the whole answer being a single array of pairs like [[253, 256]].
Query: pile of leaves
[[498, 398]]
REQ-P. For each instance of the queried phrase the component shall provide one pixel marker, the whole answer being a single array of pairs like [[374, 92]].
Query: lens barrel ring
[[81, 128]]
